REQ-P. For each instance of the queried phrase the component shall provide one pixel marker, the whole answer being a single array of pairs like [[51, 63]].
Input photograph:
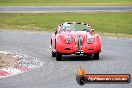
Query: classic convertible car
[[75, 38]]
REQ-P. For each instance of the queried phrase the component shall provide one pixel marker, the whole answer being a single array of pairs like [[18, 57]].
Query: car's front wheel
[[96, 56], [53, 54], [58, 56]]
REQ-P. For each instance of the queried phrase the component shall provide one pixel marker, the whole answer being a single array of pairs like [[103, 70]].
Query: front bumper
[[85, 49]]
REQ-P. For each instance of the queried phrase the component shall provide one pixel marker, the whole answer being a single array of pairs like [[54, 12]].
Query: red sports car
[[75, 38]]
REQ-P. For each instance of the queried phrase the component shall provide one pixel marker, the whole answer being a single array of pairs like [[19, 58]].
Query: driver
[[66, 27]]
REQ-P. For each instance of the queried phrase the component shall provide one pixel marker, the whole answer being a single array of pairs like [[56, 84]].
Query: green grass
[[63, 2], [118, 22]]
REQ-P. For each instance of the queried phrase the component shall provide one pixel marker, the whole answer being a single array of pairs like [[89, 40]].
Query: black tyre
[[96, 56], [89, 55], [53, 54], [58, 56]]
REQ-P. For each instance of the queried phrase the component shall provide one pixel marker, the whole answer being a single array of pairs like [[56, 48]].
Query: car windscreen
[[78, 27], [75, 27]]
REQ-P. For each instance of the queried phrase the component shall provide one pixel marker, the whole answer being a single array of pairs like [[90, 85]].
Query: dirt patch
[[7, 61], [13, 63]]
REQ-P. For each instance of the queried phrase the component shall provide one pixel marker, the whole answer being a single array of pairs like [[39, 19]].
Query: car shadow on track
[[76, 58]]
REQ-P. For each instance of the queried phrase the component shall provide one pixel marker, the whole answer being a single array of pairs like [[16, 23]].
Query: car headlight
[[68, 39], [90, 40]]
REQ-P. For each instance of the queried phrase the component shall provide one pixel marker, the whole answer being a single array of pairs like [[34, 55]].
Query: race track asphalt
[[115, 58], [46, 9]]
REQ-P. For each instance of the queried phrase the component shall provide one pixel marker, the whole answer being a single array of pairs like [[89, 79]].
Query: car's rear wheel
[[96, 56], [58, 56], [53, 54]]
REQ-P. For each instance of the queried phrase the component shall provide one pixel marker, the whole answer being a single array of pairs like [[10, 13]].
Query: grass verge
[[63, 2], [117, 22]]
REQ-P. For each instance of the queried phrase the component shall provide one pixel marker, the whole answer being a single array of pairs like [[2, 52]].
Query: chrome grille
[[79, 42]]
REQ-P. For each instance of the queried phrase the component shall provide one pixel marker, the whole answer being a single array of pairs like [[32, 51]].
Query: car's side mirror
[[92, 30], [55, 29]]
